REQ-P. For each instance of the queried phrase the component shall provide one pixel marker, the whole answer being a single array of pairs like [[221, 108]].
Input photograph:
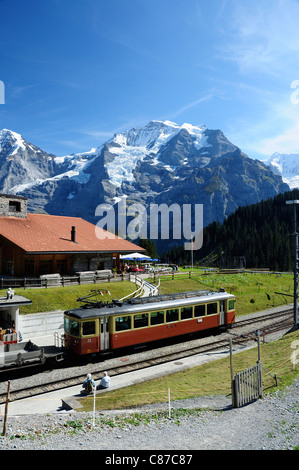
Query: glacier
[[133, 146], [287, 166]]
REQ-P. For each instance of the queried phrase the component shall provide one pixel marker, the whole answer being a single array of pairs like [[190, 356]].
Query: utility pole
[[296, 260]]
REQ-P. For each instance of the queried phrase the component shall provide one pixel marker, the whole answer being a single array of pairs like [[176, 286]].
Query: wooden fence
[[5, 283]]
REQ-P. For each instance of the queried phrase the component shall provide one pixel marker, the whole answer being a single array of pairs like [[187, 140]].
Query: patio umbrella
[[135, 256]]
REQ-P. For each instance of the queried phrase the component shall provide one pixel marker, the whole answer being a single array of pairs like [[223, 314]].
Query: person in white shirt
[[105, 382]]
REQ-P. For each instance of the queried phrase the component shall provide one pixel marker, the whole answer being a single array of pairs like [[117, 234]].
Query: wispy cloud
[[277, 129], [262, 40], [260, 37], [285, 141], [98, 134], [190, 105]]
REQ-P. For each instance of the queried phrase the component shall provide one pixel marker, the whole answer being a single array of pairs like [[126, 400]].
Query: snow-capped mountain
[[132, 147], [161, 162], [25, 169], [286, 165], [20, 161], [36, 166]]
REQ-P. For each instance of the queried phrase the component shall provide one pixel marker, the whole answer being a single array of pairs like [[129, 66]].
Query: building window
[[8, 267], [29, 267], [45, 267], [14, 206], [61, 266]]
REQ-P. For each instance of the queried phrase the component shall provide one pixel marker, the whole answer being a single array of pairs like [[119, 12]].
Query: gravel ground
[[270, 423]]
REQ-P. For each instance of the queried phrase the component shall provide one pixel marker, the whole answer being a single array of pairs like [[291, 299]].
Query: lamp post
[[294, 203]]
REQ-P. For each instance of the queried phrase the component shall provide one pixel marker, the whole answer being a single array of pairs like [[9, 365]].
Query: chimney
[[73, 234]]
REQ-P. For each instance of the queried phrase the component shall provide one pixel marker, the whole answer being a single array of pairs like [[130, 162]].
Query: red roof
[[40, 233]]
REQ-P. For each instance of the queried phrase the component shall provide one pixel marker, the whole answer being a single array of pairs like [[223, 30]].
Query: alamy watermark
[[163, 222], [2, 93]]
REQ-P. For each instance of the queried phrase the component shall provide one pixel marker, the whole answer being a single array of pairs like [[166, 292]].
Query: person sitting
[[88, 384], [105, 382]]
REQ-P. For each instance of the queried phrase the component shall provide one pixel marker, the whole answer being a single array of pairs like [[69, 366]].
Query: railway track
[[283, 320]]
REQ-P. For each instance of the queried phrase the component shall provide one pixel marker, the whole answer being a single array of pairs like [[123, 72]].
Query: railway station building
[[32, 245]]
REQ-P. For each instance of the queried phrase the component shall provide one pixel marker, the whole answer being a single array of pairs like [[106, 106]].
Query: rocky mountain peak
[[10, 143], [161, 162]]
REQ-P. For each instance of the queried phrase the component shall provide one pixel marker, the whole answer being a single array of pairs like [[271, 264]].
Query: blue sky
[[77, 71]]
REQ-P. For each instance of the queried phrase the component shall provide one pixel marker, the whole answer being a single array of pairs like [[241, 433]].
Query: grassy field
[[250, 289], [209, 379], [64, 298]]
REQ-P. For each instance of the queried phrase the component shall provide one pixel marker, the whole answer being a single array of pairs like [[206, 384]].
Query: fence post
[[6, 408], [94, 406], [260, 379], [233, 382]]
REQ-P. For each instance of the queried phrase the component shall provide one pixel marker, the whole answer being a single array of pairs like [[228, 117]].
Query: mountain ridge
[[161, 162]]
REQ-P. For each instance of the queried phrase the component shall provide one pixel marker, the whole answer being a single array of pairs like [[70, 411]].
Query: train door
[[104, 334], [221, 312]]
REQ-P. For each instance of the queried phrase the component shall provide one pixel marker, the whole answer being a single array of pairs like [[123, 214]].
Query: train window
[[157, 318], [66, 325], [231, 305], [89, 328], [186, 312], [74, 327], [212, 309], [172, 315], [140, 320], [199, 310], [122, 323]]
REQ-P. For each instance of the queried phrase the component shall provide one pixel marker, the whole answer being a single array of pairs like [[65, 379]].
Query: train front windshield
[[71, 326]]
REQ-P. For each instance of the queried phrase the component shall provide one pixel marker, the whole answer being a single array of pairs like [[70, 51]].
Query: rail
[[134, 294], [145, 289], [71, 377], [148, 288]]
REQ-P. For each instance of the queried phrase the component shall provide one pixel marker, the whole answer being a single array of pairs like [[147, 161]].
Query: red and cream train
[[98, 327]]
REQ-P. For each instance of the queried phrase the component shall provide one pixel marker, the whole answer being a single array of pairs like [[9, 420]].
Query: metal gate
[[247, 386]]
